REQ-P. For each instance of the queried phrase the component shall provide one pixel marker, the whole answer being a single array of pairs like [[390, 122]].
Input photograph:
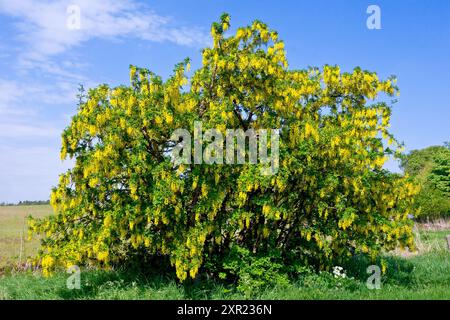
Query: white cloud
[[10, 93], [43, 27], [23, 111], [28, 173], [21, 98], [22, 130], [44, 53], [29, 141]]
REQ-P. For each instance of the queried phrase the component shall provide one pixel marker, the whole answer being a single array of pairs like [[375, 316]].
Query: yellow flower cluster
[[124, 194]]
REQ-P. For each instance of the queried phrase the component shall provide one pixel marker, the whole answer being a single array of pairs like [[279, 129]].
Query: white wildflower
[[339, 272]]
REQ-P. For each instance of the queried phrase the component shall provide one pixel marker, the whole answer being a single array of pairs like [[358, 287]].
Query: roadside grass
[[423, 275]]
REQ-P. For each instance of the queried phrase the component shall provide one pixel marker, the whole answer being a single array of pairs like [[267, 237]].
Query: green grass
[[425, 275], [421, 277]]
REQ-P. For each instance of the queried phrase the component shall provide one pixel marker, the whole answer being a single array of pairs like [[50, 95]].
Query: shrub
[[125, 200], [253, 272]]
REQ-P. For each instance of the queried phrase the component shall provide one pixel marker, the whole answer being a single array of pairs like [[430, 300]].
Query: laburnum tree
[[125, 199]]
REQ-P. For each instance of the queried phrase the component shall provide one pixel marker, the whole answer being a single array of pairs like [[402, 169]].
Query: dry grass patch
[[14, 246], [429, 237]]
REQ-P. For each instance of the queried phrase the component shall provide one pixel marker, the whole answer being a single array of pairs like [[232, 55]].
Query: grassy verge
[[421, 277], [424, 275]]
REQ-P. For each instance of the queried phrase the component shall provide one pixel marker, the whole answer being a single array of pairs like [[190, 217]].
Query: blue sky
[[42, 62]]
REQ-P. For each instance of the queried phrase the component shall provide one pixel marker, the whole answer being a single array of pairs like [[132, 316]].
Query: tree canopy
[[125, 200], [431, 169]]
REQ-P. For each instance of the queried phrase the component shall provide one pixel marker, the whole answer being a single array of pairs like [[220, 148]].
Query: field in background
[[14, 247], [421, 275]]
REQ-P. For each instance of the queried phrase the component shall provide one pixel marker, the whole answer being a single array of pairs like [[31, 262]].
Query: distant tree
[[33, 202], [431, 168], [4, 204], [440, 173]]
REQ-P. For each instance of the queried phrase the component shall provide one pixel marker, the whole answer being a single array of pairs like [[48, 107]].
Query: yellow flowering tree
[[124, 199]]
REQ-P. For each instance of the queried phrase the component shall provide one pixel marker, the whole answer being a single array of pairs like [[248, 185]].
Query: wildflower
[[339, 272]]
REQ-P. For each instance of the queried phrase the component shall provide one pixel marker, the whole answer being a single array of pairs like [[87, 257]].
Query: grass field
[[14, 246], [422, 275]]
